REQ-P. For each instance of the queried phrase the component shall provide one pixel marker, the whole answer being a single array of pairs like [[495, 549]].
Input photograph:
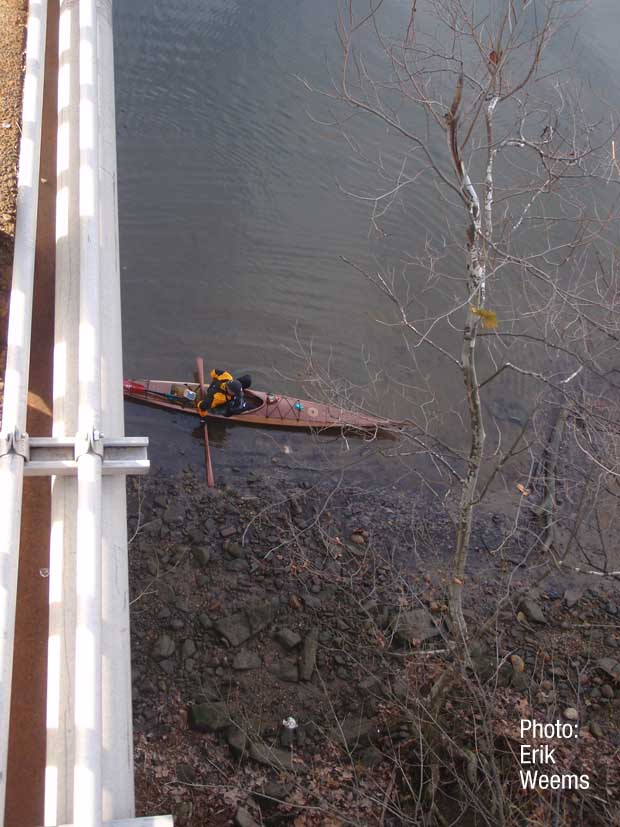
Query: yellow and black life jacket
[[216, 394]]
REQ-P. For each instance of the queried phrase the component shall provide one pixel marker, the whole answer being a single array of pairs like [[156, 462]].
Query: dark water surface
[[233, 227]]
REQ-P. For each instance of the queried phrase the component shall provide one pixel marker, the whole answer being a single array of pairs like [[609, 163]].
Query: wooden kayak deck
[[270, 410]]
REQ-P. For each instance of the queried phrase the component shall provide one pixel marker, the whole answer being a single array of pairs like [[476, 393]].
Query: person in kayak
[[225, 394]]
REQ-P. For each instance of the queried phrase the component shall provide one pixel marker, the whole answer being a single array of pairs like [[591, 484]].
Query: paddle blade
[[209, 467], [200, 368]]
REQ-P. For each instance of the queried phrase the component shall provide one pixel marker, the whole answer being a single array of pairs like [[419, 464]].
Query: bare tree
[[523, 163]]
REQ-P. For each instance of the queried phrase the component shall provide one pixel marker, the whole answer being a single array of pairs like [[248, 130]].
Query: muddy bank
[[257, 604]]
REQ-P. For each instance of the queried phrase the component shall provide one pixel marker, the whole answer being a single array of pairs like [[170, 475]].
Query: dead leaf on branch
[[489, 317]]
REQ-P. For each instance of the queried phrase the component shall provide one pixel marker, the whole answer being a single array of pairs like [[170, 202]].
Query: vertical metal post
[[61, 644], [87, 793], [18, 360], [118, 779]]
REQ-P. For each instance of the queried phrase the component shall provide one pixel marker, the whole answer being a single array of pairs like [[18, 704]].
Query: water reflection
[[233, 226]]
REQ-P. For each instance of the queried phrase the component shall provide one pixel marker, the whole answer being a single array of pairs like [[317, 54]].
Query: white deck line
[[18, 358]]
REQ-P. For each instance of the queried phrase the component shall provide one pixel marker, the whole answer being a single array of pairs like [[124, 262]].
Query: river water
[[234, 225]]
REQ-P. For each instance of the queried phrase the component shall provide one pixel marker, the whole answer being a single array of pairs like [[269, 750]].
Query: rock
[[312, 601], [182, 812], [205, 621], [532, 610], [571, 714], [371, 757], [520, 681], [611, 666], [286, 671], [413, 626], [356, 733], [228, 531], [182, 605], [189, 649], [202, 555], [357, 539], [236, 565], [611, 608], [281, 759], [237, 741], [210, 716], [174, 515], [235, 550], [259, 616], [573, 595], [308, 655], [168, 666], [243, 818], [235, 628], [245, 660], [176, 623], [186, 773], [596, 729], [271, 795], [164, 614], [371, 684], [163, 648], [288, 638], [607, 691], [195, 535], [152, 528], [287, 737]]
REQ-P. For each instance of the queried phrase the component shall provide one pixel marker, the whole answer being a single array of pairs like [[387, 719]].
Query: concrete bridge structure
[[84, 456]]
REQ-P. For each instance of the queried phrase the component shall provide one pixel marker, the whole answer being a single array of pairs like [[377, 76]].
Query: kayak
[[262, 408]]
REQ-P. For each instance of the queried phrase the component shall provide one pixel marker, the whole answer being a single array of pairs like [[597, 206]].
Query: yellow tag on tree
[[489, 317]]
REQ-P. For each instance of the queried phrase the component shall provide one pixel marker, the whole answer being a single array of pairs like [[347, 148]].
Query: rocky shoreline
[[286, 640]]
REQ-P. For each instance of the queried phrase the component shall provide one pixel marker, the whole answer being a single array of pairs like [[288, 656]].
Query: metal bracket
[[15, 443], [88, 443], [145, 821], [58, 456]]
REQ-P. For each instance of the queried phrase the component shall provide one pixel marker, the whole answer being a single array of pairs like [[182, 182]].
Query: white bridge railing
[[89, 771]]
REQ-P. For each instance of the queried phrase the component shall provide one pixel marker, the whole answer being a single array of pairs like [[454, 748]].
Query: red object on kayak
[[133, 387]]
